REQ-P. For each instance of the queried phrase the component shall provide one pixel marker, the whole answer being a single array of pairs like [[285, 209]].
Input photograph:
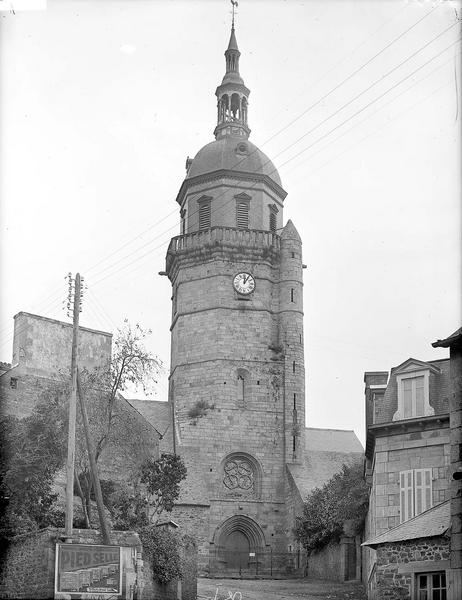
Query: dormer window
[[413, 395]]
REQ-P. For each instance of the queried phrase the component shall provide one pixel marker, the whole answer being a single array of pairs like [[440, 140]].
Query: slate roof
[[332, 440], [159, 415], [439, 389], [326, 451], [433, 522], [453, 339]]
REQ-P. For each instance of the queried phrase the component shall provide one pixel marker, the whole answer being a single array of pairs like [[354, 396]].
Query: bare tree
[[114, 426]]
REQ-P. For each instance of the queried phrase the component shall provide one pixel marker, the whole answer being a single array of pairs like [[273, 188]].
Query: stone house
[[40, 364], [407, 542]]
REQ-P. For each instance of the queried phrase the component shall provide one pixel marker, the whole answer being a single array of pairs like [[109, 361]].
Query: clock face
[[244, 283]]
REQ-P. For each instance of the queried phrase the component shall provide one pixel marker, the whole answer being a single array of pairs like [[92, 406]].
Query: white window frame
[[428, 410], [410, 491]]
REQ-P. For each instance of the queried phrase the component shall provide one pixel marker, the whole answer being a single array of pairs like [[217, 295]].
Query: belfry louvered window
[[272, 221], [273, 217], [205, 213], [242, 214]]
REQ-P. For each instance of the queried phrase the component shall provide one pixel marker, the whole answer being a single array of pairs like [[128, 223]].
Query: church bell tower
[[237, 363]]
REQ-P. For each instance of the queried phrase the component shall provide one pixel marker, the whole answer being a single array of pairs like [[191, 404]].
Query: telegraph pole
[[74, 286]]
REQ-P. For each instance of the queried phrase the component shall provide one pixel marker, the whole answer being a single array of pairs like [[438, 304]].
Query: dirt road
[[273, 589]]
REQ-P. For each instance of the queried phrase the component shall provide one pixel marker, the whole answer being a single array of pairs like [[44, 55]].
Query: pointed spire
[[232, 95], [232, 41]]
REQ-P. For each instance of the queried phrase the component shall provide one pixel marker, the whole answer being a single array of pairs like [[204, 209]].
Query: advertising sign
[[84, 571]]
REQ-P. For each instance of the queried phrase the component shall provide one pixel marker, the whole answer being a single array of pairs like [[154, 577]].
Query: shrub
[[344, 498], [161, 549]]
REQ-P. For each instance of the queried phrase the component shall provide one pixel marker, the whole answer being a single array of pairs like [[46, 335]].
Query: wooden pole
[[94, 471], [72, 413]]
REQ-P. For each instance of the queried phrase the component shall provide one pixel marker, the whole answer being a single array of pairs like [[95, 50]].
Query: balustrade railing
[[240, 237]]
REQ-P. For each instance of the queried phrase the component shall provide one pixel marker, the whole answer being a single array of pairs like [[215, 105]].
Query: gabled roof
[[413, 364], [332, 440], [159, 415], [326, 451], [433, 522]]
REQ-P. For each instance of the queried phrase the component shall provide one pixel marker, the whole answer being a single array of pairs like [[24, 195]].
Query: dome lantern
[[232, 96]]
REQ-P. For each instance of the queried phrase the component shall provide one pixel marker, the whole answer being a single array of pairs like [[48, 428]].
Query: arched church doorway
[[238, 546]]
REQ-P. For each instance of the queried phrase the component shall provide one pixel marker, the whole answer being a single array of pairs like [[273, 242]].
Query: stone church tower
[[237, 363]]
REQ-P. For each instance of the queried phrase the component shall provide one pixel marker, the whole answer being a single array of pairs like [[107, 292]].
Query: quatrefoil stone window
[[238, 475]]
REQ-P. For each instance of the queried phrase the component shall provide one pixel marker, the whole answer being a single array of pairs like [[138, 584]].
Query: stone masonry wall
[[19, 391], [28, 567], [43, 346], [218, 335], [392, 582], [416, 450]]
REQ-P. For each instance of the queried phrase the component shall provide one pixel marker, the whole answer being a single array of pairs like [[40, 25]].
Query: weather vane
[[234, 3]]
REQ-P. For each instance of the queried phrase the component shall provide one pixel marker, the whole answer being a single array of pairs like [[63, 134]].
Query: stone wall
[[43, 346], [216, 337], [28, 566], [401, 452], [397, 564], [337, 561]]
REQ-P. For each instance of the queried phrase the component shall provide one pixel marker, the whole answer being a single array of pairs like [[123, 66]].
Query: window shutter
[[204, 215], [422, 490], [272, 222], [406, 495], [407, 398], [242, 214], [419, 396]]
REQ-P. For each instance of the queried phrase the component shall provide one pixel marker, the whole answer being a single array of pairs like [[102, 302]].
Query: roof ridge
[[327, 429]]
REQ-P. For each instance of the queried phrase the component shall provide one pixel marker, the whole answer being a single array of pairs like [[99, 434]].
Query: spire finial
[[232, 94], [235, 4]]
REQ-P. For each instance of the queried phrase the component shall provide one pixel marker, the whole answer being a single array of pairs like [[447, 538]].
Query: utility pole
[[74, 286], [94, 469]]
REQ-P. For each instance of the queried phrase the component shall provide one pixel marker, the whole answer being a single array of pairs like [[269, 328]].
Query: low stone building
[[412, 559]]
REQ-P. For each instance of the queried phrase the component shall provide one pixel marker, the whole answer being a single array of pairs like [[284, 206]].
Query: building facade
[[237, 379], [407, 546]]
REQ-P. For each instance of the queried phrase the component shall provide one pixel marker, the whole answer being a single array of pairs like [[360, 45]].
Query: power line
[[281, 130], [367, 89], [302, 137], [372, 102], [277, 133], [352, 74], [399, 115]]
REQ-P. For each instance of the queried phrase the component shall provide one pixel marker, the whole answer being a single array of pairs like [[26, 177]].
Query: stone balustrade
[[218, 235]]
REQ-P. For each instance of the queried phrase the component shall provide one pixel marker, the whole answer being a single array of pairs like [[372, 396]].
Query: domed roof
[[235, 154]]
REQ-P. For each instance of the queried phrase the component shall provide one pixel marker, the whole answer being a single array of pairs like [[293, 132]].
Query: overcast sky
[[357, 106]]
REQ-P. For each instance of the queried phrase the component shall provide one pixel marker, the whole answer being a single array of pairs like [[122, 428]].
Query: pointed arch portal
[[237, 542]]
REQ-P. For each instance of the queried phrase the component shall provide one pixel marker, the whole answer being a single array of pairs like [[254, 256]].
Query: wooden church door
[[237, 550]]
